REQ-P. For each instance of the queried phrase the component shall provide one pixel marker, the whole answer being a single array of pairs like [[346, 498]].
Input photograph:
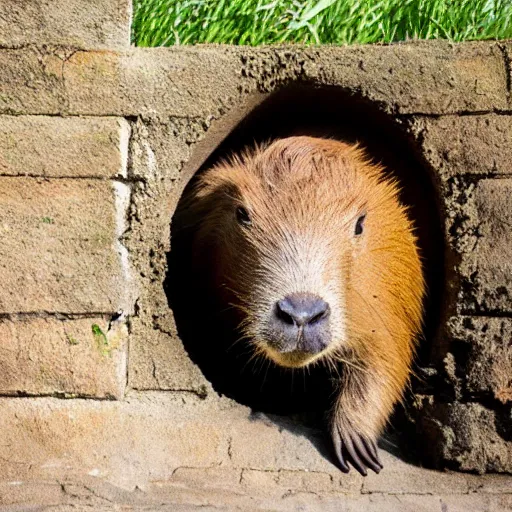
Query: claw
[[365, 453], [355, 460], [372, 447], [359, 450], [338, 450]]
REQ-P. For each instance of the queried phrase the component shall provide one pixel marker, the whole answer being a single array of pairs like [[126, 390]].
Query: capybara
[[308, 240]]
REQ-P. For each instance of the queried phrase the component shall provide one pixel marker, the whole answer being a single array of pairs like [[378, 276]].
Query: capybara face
[[297, 233]]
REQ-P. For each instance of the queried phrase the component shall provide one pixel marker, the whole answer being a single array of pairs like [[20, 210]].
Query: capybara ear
[[208, 197]]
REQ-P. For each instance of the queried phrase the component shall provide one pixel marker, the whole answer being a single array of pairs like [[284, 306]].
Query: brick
[[29, 494], [205, 478], [60, 248], [477, 145], [415, 480], [158, 360], [492, 483], [287, 446], [153, 435], [32, 82], [206, 81], [309, 481], [93, 24], [507, 48], [48, 356], [486, 267], [63, 147], [483, 353], [467, 436], [430, 78], [186, 82]]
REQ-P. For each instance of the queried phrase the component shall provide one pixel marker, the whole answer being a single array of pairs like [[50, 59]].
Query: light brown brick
[[427, 77], [414, 480], [31, 82], [152, 435], [60, 249], [48, 356], [158, 360], [92, 24], [180, 82], [507, 47], [482, 349], [478, 145], [468, 436], [206, 478], [432, 78], [492, 483], [309, 481], [486, 266], [70, 146]]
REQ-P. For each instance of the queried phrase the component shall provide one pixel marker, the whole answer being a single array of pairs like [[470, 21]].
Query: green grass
[[254, 22]]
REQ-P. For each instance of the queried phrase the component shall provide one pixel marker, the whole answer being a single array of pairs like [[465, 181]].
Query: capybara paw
[[358, 449]]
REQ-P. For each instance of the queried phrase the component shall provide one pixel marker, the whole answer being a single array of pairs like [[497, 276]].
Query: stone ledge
[[205, 81], [170, 439], [49, 356], [63, 147], [92, 24], [89, 494], [60, 248]]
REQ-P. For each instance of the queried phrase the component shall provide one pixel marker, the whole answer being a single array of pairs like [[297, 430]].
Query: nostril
[[283, 315], [302, 309], [319, 316]]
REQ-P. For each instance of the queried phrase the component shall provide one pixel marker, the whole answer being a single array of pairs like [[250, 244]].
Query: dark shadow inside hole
[[208, 334]]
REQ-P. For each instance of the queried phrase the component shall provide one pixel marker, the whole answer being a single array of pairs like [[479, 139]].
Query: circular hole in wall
[[207, 333]]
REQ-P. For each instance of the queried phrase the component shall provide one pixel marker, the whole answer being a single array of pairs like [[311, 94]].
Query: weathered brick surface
[[49, 356], [436, 79], [476, 145], [468, 436], [89, 492], [415, 481], [186, 82], [179, 452], [90, 24], [507, 48], [482, 348], [60, 250], [64, 147], [170, 434], [158, 359], [205, 81], [32, 81], [152, 435], [486, 267], [150, 81]]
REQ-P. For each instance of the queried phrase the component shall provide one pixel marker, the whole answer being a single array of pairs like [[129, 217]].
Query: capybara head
[[307, 240]]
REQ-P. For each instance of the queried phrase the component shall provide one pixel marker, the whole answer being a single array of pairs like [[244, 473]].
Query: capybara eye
[[360, 225], [242, 216]]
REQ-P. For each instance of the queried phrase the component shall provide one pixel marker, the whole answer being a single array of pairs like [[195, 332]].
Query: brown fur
[[304, 196]]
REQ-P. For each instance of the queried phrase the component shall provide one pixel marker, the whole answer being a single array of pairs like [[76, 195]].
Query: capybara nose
[[300, 322], [301, 309]]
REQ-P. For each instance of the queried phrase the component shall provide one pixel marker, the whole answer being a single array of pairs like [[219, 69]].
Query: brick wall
[[97, 142]]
